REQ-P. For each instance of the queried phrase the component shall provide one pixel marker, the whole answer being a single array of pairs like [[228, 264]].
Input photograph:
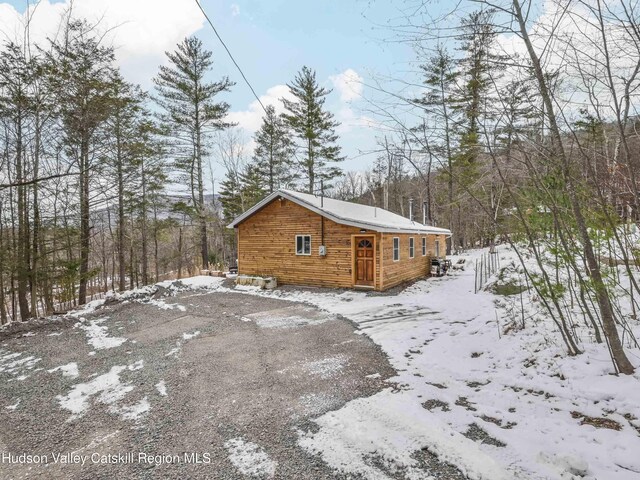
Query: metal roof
[[347, 213]]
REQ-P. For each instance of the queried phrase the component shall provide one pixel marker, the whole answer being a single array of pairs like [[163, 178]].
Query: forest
[[531, 142]]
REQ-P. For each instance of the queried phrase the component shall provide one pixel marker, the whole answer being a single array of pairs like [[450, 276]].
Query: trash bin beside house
[[439, 267]]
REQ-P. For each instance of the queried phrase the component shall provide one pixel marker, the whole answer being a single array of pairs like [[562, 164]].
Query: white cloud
[[350, 120], [235, 9], [140, 30], [251, 118], [348, 84]]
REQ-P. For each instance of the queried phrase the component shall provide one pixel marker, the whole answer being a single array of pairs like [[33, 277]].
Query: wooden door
[[364, 261]]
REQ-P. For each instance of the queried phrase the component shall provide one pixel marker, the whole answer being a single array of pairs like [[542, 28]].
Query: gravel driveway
[[214, 385]]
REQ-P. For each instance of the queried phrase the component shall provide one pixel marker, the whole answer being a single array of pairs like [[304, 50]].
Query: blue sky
[[271, 41]]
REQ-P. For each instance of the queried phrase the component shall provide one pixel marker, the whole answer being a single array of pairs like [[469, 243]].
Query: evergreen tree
[[440, 78], [121, 158], [252, 185], [190, 113], [479, 67], [274, 151], [314, 128], [241, 190], [231, 197], [80, 74]]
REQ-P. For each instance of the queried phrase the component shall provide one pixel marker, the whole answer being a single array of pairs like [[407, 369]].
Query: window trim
[[296, 245], [396, 250], [412, 247], [424, 246]]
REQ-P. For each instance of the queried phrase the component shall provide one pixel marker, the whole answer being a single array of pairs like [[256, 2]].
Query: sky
[[271, 40], [349, 43]]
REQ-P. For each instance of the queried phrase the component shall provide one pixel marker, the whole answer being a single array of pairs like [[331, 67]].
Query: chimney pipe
[[424, 213], [411, 209]]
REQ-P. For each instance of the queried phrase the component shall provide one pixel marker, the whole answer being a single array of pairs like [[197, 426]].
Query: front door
[[364, 261]]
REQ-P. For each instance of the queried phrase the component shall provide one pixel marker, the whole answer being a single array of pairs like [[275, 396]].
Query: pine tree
[[80, 73], [231, 197], [273, 155], [15, 81], [122, 158], [241, 190], [314, 128], [440, 78], [480, 67], [253, 185], [190, 113]]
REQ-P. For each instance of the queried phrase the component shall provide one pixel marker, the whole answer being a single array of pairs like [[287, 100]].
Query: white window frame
[[396, 249], [412, 247], [296, 246], [424, 246], [437, 248]]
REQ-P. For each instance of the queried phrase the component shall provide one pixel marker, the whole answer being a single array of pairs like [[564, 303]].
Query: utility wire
[[230, 56]]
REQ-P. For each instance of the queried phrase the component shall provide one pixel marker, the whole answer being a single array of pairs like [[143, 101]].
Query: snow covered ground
[[495, 404]]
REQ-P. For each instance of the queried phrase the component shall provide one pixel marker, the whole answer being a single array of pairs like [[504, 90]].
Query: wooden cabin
[[304, 239]]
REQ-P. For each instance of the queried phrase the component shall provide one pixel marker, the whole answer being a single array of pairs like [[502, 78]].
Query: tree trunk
[[23, 218], [143, 220], [621, 362], [85, 228]]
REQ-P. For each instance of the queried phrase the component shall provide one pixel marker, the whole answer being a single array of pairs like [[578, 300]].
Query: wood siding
[[407, 269], [267, 247]]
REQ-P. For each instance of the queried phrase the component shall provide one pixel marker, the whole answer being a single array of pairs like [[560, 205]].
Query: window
[[303, 244], [411, 247], [437, 248], [424, 246], [396, 249]]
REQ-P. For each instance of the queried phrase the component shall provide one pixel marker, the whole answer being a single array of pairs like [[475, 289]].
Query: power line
[[230, 56]]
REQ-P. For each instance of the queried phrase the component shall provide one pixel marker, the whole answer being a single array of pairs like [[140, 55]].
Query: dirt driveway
[[215, 385]]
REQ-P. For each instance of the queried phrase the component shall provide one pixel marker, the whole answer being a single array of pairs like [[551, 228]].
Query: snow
[[107, 389], [97, 334], [189, 336], [134, 412], [166, 306], [518, 388], [136, 365], [143, 294], [173, 351], [17, 364], [348, 213], [315, 403], [68, 370], [250, 459], [327, 367], [162, 388], [394, 428], [285, 318], [202, 282], [14, 406]]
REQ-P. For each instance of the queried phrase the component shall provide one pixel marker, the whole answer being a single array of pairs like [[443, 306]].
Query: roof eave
[[330, 216]]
